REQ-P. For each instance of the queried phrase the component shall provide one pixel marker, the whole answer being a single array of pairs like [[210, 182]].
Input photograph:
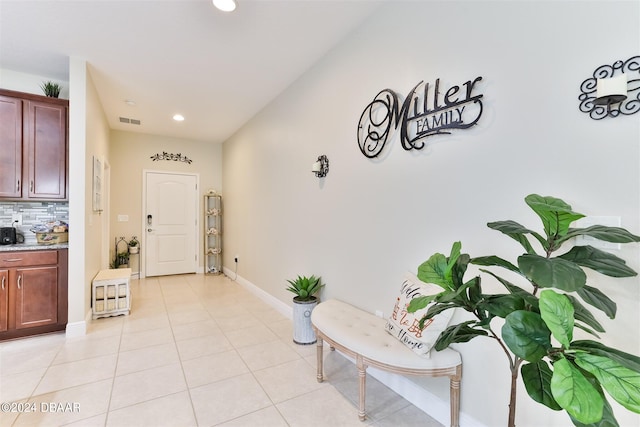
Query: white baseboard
[[76, 329], [429, 403], [278, 305]]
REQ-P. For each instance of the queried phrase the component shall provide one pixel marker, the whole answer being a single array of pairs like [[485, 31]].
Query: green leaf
[[555, 214], [434, 310], [515, 231], [475, 290], [587, 330], [459, 269], [593, 347], [600, 261], [433, 271], [453, 258], [501, 305], [581, 314], [461, 332], [526, 335], [418, 303], [621, 383], [528, 297], [575, 394], [489, 261], [552, 272], [557, 312], [608, 418], [537, 380], [602, 232], [599, 300]]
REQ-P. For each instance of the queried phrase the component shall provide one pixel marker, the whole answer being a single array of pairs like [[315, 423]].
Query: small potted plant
[[133, 246], [51, 89], [304, 302]]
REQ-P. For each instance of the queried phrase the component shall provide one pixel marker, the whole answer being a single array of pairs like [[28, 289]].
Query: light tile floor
[[195, 351]]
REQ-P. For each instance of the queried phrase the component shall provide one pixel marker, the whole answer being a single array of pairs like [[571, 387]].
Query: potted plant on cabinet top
[[537, 321], [51, 89], [303, 304]]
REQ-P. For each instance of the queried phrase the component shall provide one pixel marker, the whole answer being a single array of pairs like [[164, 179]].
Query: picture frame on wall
[[97, 184]]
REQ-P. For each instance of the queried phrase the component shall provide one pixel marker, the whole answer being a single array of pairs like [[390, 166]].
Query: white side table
[[111, 293]]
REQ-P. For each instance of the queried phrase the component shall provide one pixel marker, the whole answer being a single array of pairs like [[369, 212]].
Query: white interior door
[[171, 223]]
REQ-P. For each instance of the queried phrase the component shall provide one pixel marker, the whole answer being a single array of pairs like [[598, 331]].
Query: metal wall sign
[[170, 156], [427, 110]]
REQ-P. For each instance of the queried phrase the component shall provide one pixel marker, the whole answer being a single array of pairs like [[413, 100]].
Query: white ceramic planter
[[302, 330]]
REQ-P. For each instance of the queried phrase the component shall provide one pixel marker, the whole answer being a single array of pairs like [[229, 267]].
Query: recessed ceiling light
[[130, 102], [178, 117], [225, 5]]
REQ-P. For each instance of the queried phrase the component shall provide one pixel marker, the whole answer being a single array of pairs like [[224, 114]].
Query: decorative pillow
[[405, 326]]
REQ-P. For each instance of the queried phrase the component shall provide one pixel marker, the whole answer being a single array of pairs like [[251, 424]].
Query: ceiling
[[217, 69]]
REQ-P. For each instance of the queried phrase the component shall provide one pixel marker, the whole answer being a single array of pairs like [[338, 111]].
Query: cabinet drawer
[[22, 259]]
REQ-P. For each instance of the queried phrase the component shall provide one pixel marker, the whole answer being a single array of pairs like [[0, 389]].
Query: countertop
[[32, 247]]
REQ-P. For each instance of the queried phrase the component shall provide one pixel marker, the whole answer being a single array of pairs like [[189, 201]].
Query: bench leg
[[319, 345], [362, 382], [454, 397]]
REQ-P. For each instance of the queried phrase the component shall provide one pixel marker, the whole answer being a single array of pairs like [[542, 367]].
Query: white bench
[[362, 336]]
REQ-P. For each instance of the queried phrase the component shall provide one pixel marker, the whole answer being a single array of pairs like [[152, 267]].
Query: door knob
[[149, 230]]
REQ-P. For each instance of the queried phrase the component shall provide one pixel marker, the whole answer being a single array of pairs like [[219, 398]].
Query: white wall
[[97, 144], [79, 288], [370, 221]]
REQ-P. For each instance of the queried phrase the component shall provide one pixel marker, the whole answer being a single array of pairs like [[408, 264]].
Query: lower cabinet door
[[36, 297], [4, 300]]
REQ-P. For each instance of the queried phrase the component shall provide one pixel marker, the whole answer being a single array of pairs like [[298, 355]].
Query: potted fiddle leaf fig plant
[[539, 316], [304, 302]]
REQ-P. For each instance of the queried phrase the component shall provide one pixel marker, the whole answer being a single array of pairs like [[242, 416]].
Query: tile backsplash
[[33, 213]]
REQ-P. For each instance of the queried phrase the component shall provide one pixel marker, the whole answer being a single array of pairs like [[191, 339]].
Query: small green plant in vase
[[539, 318], [304, 302], [305, 287], [51, 89], [133, 246]]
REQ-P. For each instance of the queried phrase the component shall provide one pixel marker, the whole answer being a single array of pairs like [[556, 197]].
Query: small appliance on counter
[[9, 236]]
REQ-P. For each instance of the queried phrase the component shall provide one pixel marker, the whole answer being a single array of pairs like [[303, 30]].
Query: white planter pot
[[302, 330], [133, 249]]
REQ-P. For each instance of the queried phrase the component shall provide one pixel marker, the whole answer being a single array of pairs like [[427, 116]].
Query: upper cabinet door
[[45, 133], [10, 147]]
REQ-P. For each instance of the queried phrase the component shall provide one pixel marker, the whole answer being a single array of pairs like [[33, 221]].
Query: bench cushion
[[365, 334]]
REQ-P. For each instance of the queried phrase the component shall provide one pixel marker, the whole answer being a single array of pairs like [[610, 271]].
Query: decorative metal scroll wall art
[[628, 106], [427, 110], [170, 156]]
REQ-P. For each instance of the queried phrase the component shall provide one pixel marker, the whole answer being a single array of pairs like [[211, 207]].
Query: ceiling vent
[[130, 121]]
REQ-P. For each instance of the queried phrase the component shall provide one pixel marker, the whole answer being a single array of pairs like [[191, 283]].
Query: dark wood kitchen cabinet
[[33, 297], [4, 300], [33, 147]]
